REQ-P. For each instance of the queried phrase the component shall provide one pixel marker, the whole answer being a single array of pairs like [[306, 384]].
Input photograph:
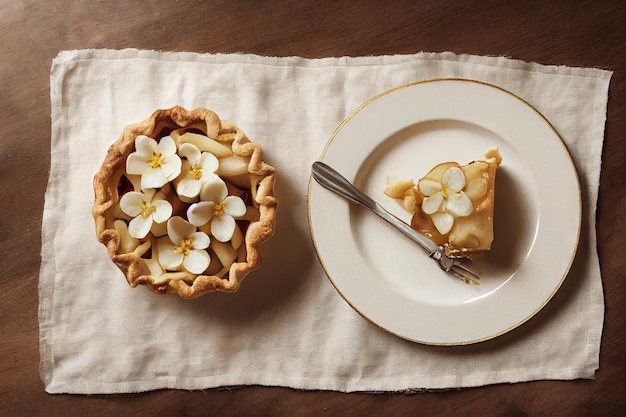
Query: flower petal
[[432, 204], [197, 261], [200, 213], [136, 164], [459, 204], [200, 240], [209, 162], [191, 152], [163, 210], [140, 226], [234, 206], [222, 228], [153, 178], [171, 167], [144, 146], [179, 229], [214, 190], [453, 179], [443, 222], [428, 186], [188, 186], [167, 146], [167, 255], [130, 203]]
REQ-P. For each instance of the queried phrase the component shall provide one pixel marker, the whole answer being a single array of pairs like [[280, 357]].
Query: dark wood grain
[[573, 33]]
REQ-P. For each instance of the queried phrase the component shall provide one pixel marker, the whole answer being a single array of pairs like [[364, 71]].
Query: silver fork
[[329, 178]]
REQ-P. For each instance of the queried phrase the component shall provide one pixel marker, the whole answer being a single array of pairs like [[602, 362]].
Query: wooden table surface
[[572, 33]]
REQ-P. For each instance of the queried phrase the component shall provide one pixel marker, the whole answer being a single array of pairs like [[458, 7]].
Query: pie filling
[[453, 204]]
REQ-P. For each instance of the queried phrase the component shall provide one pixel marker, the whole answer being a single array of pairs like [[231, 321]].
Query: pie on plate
[[405, 132]]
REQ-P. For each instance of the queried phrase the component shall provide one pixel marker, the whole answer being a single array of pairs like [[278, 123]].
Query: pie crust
[[137, 258]]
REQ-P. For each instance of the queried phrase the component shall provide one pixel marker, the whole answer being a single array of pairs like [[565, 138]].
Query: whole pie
[[453, 204], [184, 202]]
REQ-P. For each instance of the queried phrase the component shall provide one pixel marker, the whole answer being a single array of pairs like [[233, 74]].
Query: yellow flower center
[[196, 172], [156, 160], [185, 246], [218, 210], [146, 209]]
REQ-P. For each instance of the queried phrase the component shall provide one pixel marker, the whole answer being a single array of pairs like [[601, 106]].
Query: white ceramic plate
[[404, 133]]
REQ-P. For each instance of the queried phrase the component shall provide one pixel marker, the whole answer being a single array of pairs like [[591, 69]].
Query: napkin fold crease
[[287, 326]]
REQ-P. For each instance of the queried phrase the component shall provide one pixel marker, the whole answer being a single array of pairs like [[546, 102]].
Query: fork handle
[[334, 181]]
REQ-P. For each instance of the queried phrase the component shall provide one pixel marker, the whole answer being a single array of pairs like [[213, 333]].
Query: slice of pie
[[453, 204], [183, 203]]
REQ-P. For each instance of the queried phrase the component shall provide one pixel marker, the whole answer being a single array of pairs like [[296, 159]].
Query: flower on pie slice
[[156, 162], [183, 246], [197, 169], [445, 200], [146, 208], [217, 207]]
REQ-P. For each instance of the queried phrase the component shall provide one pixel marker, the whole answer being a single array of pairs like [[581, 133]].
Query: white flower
[[219, 208], [157, 163], [185, 246], [445, 200], [197, 169], [145, 207]]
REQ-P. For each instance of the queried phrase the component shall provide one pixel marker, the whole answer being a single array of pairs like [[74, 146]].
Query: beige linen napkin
[[287, 326]]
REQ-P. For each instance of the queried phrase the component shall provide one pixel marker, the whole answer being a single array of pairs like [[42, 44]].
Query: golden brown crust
[[135, 264]]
